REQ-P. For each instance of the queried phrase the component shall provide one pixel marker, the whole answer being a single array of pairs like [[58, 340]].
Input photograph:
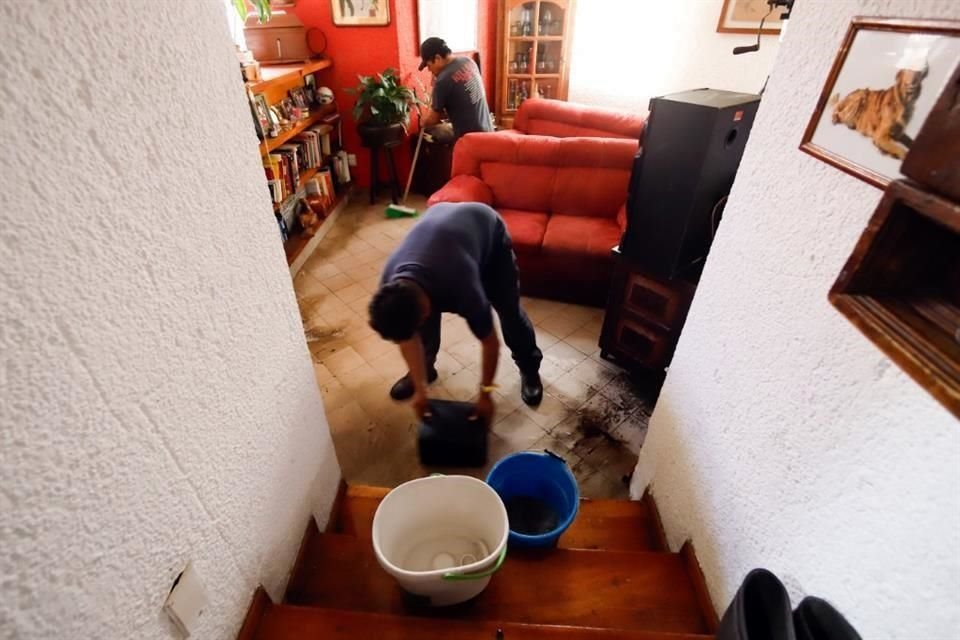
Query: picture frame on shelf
[[275, 122], [299, 97], [361, 13], [883, 84], [310, 89], [261, 115], [286, 108], [744, 16]]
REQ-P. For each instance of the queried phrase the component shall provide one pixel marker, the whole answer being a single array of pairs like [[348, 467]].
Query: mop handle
[[413, 165]]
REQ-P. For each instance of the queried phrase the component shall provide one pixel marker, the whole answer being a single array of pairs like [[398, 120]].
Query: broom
[[402, 210]]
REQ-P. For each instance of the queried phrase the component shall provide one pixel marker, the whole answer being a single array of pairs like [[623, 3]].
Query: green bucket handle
[[460, 577]]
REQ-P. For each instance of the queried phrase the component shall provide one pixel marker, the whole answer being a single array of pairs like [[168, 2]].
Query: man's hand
[[432, 118], [484, 409], [421, 406]]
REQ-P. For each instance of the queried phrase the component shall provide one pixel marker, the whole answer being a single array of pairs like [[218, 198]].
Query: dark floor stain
[[323, 334], [596, 424]]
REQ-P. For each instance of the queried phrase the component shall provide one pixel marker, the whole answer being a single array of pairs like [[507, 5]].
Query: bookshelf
[[275, 84], [277, 79], [327, 114], [305, 177], [300, 246], [533, 56]]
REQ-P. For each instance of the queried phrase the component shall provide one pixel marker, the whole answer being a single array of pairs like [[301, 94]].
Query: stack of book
[[285, 164]]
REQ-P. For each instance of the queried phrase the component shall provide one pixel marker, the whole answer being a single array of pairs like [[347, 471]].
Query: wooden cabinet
[[644, 316], [901, 287], [533, 53]]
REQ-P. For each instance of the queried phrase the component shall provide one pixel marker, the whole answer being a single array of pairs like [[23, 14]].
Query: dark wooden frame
[[767, 31], [874, 292], [897, 25]]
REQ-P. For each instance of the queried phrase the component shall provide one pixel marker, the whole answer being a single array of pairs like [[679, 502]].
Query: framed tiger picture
[[883, 84]]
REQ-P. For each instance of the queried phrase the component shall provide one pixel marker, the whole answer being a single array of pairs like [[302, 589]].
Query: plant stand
[[391, 168], [386, 138]]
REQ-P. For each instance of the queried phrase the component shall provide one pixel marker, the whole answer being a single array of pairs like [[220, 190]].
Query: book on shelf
[[294, 163], [288, 162]]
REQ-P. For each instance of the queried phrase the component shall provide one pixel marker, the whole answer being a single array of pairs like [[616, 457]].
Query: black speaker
[[689, 154]]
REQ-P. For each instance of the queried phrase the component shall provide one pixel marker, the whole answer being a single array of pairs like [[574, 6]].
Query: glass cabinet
[[533, 56]]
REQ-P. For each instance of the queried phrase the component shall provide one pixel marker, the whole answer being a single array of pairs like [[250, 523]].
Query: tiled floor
[[592, 413]]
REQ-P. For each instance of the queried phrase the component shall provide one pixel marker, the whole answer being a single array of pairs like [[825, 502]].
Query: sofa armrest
[[622, 217], [463, 188]]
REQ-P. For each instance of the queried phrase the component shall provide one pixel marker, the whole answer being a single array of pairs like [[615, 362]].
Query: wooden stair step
[[615, 525], [631, 590], [285, 622]]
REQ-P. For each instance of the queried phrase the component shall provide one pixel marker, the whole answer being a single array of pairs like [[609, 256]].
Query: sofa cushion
[[569, 176], [528, 188], [577, 237], [526, 229], [595, 192], [567, 119]]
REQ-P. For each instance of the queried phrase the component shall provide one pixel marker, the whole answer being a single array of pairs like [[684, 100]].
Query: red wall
[[367, 50], [354, 51]]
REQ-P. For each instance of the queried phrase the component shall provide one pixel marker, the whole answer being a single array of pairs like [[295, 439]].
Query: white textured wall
[[783, 438], [158, 401], [628, 51]]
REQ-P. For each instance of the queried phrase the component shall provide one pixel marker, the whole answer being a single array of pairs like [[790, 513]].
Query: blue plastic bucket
[[541, 496]]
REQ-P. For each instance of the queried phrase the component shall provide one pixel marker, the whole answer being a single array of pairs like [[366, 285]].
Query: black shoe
[[816, 619], [759, 611], [402, 389], [531, 389]]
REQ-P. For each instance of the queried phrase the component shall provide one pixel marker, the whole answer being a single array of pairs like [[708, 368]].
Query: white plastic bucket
[[441, 537]]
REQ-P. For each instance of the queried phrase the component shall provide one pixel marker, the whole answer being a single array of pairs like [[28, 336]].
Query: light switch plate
[[187, 601]]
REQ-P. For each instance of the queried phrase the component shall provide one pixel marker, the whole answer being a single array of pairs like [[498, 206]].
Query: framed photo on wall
[[744, 16], [884, 81], [361, 13]]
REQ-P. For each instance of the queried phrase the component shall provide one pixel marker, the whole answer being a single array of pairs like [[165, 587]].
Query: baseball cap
[[430, 48]]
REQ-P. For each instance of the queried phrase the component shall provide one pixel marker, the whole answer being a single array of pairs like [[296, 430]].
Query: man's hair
[[395, 311]]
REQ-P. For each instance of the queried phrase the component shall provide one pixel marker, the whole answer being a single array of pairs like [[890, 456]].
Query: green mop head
[[400, 211]]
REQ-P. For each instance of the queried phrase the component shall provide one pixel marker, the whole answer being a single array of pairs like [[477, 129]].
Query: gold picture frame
[[360, 13], [743, 16]]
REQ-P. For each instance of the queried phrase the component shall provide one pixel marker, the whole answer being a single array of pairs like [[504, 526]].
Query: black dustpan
[[449, 438]]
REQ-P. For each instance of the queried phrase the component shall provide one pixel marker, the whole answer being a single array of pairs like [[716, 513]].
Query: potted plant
[[382, 110], [262, 7]]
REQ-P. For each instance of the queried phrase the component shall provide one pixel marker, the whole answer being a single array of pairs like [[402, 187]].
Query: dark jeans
[[501, 284]]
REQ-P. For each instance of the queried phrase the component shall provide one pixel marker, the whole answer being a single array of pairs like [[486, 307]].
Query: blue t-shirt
[[458, 90], [446, 253]]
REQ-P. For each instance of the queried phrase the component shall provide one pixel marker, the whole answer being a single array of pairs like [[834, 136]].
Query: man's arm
[[490, 356], [412, 351]]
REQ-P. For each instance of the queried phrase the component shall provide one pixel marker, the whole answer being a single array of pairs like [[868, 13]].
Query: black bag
[[448, 438]]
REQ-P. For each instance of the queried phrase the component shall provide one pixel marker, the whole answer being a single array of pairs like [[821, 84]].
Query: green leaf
[[241, 7], [382, 99]]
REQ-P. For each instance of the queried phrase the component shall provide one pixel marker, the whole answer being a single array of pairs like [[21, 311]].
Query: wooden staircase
[[611, 577]]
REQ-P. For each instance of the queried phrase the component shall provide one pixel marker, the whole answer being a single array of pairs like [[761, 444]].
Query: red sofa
[[560, 119], [563, 200]]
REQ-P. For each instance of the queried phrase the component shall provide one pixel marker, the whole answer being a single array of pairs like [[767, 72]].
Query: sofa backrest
[[561, 119], [567, 176]]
